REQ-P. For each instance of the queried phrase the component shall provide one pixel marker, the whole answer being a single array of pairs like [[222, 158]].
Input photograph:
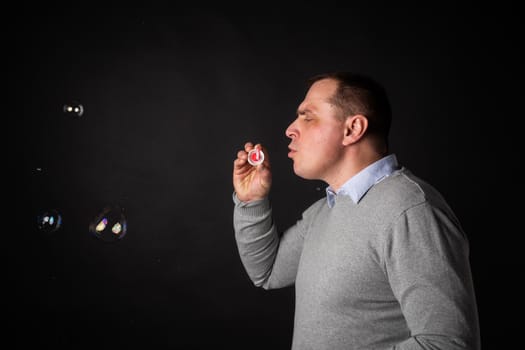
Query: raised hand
[[251, 182]]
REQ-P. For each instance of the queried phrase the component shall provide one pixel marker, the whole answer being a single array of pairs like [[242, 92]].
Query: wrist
[[248, 199]]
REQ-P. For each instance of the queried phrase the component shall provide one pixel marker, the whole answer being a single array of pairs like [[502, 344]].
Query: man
[[382, 261]]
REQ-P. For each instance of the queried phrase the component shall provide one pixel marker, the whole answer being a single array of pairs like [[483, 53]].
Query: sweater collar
[[360, 183]]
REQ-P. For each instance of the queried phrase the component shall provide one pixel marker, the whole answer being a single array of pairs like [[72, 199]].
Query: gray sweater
[[390, 272]]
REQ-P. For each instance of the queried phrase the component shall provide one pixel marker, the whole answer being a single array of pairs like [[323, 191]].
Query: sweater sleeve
[[426, 259], [270, 259]]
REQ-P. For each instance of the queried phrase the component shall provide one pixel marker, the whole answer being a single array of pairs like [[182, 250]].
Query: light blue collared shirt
[[361, 182]]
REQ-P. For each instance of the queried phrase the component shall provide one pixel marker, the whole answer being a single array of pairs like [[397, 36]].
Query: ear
[[354, 128]]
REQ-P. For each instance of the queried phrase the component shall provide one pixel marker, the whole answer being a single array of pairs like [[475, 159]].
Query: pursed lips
[[292, 151]]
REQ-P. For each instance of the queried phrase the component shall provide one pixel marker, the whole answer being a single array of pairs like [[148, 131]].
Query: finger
[[266, 161], [240, 166], [239, 162], [265, 165], [242, 155], [248, 146]]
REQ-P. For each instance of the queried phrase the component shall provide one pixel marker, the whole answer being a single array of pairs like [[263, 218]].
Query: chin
[[303, 173]]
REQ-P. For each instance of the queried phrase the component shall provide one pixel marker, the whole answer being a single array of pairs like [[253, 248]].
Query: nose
[[291, 130]]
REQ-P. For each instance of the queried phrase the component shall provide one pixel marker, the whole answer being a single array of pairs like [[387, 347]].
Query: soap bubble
[[74, 109], [49, 221], [110, 224]]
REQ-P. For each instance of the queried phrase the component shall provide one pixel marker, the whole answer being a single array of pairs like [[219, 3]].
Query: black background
[[170, 95]]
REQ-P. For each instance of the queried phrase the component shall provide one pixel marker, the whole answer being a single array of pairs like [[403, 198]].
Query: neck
[[353, 161]]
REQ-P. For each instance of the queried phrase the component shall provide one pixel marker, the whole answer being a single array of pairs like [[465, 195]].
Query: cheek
[[328, 139]]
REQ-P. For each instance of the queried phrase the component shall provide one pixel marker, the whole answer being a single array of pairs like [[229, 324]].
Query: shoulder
[[403, 193], [403, 187], [413, 199]]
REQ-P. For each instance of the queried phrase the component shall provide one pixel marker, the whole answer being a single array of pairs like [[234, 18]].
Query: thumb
[[265, 173]]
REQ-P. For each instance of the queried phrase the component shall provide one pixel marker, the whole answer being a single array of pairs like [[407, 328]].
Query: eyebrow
[[304, 111]]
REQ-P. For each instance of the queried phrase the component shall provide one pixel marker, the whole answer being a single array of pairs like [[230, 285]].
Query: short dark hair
[[361, 94]]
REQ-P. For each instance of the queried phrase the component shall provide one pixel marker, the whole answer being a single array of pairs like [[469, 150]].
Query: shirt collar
[[360, 183]]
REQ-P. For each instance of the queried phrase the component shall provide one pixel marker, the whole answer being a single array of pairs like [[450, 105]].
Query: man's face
[[316, 134]]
